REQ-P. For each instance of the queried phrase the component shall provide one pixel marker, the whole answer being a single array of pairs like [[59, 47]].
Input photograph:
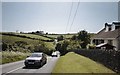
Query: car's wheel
[[45, 61], [26, 66]]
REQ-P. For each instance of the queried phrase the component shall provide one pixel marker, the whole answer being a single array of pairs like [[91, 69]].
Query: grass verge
[[8, 57], [74, 63]]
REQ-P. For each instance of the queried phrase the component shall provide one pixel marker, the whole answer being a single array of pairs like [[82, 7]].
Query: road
[[17, 68]]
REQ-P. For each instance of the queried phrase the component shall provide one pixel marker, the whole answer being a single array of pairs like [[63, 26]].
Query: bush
[[84, 37], [62, 47], [4, 46], [108, 58], [59, 38], [21, 43], [10, 56], [74, 37], [91, 46], [73, 45], [42, 48]]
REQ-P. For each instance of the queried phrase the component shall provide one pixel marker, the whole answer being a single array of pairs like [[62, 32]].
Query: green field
[[56, 35], [11, 39], [35, 36], [74, 63]]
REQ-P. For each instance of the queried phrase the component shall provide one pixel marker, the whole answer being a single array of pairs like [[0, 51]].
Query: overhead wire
[[74, 16], [69, 17]]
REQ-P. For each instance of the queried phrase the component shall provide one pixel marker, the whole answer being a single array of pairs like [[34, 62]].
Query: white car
[[56, 54], [36, 59]]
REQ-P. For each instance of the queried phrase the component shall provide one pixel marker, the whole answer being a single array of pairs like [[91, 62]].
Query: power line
[[69, 17], [74, 15]]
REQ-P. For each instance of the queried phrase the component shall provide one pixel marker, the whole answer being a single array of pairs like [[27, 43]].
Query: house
[[110, 34]]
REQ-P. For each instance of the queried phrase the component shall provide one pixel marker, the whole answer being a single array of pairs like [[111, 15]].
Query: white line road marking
[[14, 70]]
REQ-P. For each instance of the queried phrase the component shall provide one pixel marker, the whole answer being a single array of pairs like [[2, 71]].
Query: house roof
[[116, 23], [108, 34]]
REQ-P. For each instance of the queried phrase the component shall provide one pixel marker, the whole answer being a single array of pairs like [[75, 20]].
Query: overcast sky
[[52, 17]]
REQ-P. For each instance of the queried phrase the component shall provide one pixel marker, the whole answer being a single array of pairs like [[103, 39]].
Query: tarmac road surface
[[18, 68]]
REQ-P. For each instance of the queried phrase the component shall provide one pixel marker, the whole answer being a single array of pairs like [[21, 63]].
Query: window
[[101, 41], [110, 42], [117, 27], [109, 29]]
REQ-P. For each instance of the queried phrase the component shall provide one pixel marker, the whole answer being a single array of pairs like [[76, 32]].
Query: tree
[[84, 37], [74, 37], [74, 45], [62, 47], [46, 33], [58, 47], [59, 38], [37, 31], [4, 46]]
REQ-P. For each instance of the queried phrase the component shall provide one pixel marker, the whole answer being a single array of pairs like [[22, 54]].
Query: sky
[[52, 17]]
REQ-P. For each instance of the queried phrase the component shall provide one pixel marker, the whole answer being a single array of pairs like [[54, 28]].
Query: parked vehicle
[[36, 59]]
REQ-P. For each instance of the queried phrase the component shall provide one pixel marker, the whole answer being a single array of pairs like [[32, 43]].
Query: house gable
[[109, 34]]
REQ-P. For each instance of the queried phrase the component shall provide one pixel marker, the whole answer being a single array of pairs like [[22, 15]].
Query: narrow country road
[[17, 68]]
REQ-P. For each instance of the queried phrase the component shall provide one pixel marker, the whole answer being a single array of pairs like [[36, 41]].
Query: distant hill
[[15, 41]]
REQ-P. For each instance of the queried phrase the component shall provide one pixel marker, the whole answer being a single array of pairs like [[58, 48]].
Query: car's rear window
[[36, 55]]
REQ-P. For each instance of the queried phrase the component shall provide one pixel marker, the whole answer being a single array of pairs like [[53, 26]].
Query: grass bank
[[74, 63], [8, 57], [12, 39]]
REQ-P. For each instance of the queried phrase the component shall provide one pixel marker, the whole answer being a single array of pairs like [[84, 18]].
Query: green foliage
[[91, 46], [10, 56], [84, 37], [73, 45], [4, 46], [74, 37], [43, 48], [62, 47], [58, 47], [67, 46], [21, 43], [60, 38]]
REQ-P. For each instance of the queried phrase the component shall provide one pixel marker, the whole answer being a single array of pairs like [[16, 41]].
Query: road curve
[[17, 68]]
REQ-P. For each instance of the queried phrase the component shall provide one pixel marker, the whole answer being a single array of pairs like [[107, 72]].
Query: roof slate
[[108, 34]]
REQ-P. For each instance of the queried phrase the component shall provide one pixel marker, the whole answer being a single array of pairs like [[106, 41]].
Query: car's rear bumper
[[32, 63]]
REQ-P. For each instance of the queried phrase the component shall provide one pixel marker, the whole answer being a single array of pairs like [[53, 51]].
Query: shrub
[[73, 45], [108, 58], [62, 47], [84, 37], [74, 37], [4, 46], [59, 38], [91, 46], [21, 43], [10, 56]]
